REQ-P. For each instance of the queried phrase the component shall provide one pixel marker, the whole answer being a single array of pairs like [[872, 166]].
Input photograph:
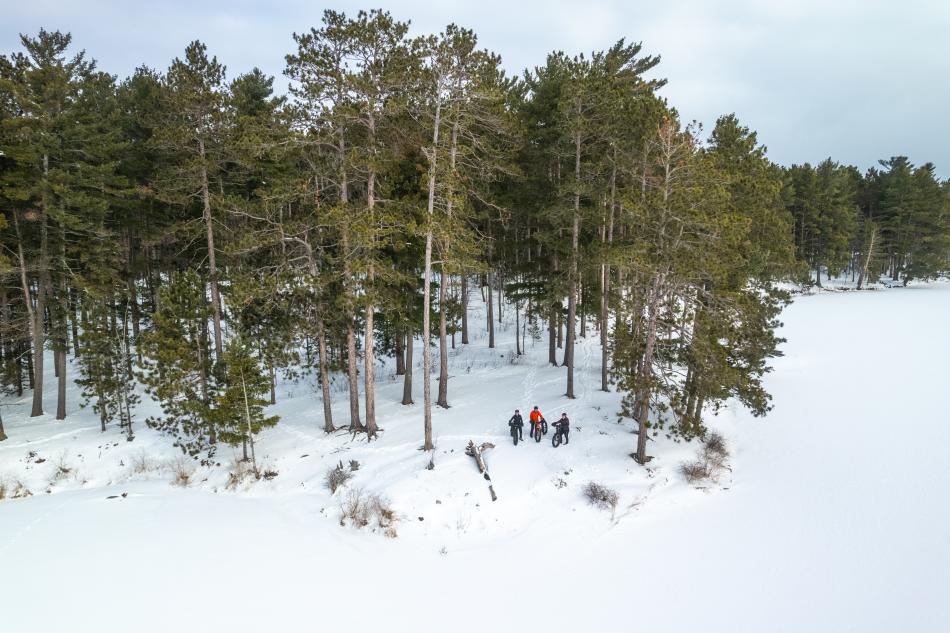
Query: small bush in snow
[[710, 460], [13, 490], [240, 473], [62, 470], [336, 477], [381, 511], [354, 465], [354, 509], [141, 463], [715, 450], [601, 496], [182, 472], [695, 470], [360, 510]]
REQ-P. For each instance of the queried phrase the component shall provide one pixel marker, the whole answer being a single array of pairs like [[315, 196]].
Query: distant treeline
[[198, 234]]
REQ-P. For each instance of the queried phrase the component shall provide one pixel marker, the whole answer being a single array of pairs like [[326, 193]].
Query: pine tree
[[57, 141], [190, 135], [178, 365], [239, 405]]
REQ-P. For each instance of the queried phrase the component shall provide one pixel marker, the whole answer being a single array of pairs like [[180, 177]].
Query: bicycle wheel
[[536, 431], [556, 440], [544, 426], [515, 436]]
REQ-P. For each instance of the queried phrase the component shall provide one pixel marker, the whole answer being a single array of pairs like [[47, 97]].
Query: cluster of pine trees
[[892, 221], [198, 234]]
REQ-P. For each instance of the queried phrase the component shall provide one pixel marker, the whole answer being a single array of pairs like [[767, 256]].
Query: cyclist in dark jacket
[[563, 428], [518, 422]]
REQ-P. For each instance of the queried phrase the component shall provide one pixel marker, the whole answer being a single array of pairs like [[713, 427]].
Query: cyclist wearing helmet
[[536, 418], [517, 421], [563, 427]]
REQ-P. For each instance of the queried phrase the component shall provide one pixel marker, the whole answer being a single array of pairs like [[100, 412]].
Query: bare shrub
[[354, 465], [182, 472], [20, 491], [336, 477], [716, 451], [694, 471], [360, 509], [141, 463], [3, 488], [710, 460], [240, 472], [355, 509], [381, 510], [61, 471], [601, 496]]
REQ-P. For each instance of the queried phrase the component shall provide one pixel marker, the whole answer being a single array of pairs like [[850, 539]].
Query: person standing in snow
[[536, 418], [563, 428], [517, 421]]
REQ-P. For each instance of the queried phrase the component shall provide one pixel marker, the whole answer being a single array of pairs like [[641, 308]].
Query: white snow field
[[836, 516]]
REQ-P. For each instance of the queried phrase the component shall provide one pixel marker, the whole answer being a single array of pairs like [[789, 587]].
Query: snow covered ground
[[835, 517]]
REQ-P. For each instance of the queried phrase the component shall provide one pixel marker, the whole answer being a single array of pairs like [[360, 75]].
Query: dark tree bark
[[501, 283], [464, 309], [491, 320], [325, 379], [355, 423], [59, 357], [443, 398], [407, 378], [517, 331], [400, 355], [212, 256]]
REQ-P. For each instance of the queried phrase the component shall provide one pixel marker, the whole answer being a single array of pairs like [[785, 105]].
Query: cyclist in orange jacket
[[536, 419]]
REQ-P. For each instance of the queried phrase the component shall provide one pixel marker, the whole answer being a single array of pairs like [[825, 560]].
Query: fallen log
[[476, 451]]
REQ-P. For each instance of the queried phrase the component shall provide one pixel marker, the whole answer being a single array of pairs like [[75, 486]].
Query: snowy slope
[[834, 518]]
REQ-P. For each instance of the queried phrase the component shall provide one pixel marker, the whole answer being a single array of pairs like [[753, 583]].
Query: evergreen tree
[[178, 365], [239, 408]]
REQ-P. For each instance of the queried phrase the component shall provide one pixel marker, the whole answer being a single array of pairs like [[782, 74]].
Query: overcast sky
[[857, 80]]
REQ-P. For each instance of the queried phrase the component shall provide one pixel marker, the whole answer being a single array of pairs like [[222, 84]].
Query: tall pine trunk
[[642, 408], [369, 369], [407, 377], [572, 298], [605, 281], [517, 327], [501, 282], [490, 315], [400, 355], [325, 379], [427, 287], [35, 319], [464, 309], [443, 398], [59, 357], [355, 424], [212, 258]]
